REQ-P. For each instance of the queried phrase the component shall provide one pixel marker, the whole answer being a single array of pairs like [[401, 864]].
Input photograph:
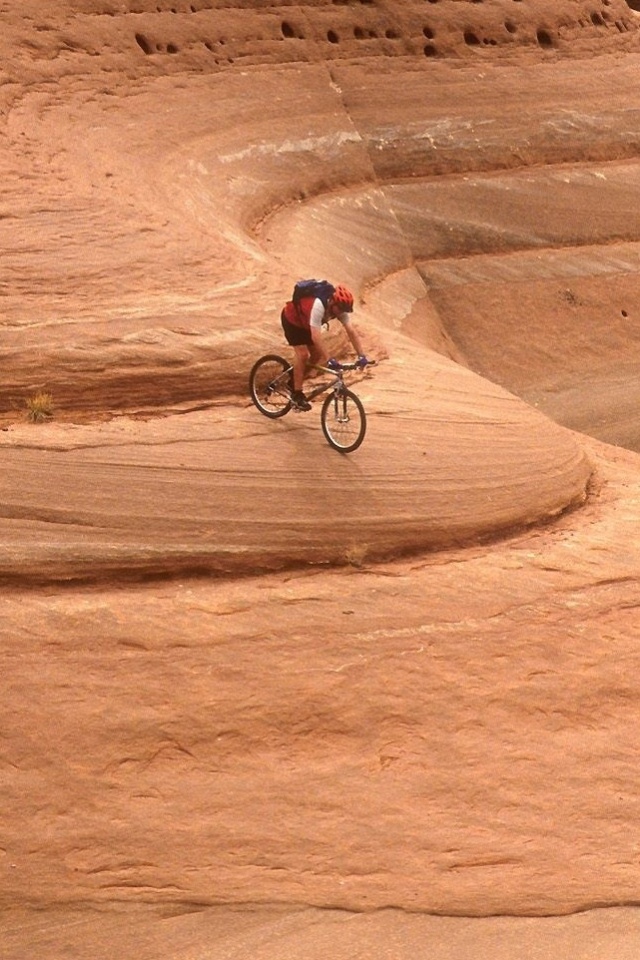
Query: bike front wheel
[[270, 385], [344, 422]]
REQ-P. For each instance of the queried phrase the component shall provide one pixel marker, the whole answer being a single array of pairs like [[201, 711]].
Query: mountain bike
[[344, 422]]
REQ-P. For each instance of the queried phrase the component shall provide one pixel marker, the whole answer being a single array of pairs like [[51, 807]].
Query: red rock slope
[[239, 667]]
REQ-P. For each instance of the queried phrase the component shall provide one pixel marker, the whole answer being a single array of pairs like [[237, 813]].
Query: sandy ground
[[260, 699]]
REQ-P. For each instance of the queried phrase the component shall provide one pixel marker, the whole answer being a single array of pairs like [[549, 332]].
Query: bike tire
[[269, 385], [344, 422]]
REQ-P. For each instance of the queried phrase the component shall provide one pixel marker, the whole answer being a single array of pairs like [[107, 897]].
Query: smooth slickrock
[[240, 668]]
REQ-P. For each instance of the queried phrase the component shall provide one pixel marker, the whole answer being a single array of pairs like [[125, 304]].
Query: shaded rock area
[[272, 933], [263, 699]]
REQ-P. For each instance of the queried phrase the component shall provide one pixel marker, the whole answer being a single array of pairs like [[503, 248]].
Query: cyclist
[[302, 325]]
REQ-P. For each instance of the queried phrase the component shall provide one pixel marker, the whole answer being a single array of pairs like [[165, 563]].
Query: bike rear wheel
[[343, 419], [269, 384]]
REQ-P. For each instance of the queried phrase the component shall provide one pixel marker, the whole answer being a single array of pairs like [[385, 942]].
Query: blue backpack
[[321, 289]]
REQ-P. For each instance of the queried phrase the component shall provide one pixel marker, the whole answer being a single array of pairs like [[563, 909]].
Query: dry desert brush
[[40, 407]]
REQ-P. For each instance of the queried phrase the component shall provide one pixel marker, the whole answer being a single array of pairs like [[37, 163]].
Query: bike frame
[[337, 384]]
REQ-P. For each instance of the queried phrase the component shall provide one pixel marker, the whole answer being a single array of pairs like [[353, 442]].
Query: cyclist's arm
[[315, 328], [353, 335], [319, 349], [316, 316]]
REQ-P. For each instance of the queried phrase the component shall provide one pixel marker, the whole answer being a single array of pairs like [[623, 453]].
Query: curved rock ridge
[[514, 467], [399, 724], [225, 496], [184, 230]]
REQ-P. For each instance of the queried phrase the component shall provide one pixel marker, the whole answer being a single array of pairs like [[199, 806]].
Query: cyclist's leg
[[300, 339], [300, 360], [317, 355]]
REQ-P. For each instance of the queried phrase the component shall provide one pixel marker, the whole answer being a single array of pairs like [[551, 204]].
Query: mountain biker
[[302, 325]]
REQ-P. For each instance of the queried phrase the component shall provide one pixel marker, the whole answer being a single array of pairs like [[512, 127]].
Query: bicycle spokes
[[269, 383], [343, 421]]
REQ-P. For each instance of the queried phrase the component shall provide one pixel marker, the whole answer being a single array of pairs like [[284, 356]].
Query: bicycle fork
[[340, 408]]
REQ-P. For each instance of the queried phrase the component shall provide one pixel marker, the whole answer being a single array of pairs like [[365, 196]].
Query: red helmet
[[343, 298]]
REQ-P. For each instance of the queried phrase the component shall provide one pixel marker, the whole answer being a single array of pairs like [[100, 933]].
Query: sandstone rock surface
[[238, 667]]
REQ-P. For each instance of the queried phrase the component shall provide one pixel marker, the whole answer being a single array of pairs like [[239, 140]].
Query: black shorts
[[295, 336]]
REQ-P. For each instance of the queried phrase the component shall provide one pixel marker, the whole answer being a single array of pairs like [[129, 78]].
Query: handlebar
[[353, 365]]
